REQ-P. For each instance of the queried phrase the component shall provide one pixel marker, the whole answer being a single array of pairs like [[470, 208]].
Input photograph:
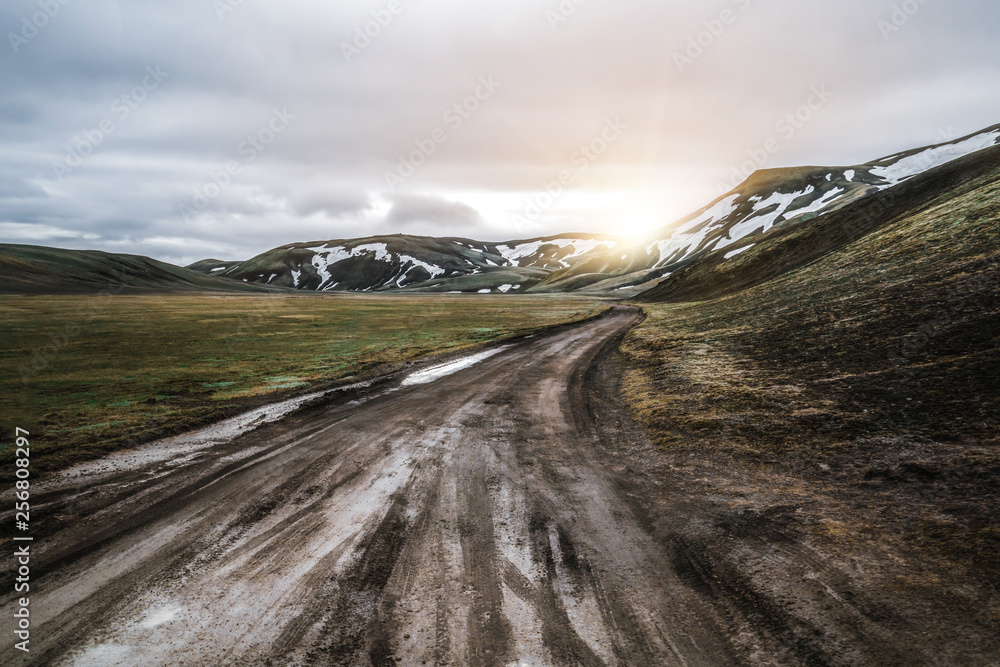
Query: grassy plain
[[90, 374]]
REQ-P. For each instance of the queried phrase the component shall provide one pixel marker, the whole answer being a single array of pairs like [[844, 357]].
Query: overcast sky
[[185, 129]]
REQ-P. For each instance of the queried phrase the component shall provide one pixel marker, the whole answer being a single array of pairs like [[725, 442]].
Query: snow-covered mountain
[[956, 195], [399, 261], [769, 198], [728, 226], [775, 219]]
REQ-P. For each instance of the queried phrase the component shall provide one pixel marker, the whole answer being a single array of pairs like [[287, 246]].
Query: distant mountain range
[[414, 262], [731, 225], [771, 201]]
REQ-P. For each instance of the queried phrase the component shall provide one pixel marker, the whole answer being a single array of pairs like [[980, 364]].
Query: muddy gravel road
[[465, 518]]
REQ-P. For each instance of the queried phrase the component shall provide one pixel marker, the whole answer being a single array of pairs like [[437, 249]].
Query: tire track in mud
[[469, 521]]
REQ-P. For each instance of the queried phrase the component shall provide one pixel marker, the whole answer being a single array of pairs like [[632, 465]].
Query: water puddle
[[181, 448], [437, 372]]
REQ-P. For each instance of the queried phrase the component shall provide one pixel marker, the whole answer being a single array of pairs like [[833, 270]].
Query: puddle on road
[[437, 372], [181, 448]]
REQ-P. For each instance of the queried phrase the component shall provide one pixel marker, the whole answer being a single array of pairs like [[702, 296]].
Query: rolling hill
[[769, 199], [833, 391], [413, 262], [712, 249], [26, 269]]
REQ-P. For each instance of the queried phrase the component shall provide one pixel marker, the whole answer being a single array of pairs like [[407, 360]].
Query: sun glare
[[638, 222]]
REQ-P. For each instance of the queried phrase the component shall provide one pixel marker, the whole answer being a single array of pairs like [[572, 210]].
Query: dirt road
[[466, 520]]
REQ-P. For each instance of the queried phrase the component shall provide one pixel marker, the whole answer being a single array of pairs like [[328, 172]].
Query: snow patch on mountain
[[765, 213], [912, 165], [410, 262], [381, 251], [734, 253], [513, 254], [822, 202], [325, 258], [778, 202], [684, 238]]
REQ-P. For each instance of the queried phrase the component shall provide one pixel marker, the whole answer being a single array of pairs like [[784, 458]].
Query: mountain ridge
[[785, 249], [586, 263], [399, 261], [32, 269], [769, 198], [774, 198]]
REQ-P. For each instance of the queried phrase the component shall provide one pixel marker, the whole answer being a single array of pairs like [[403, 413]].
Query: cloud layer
[[191, 129]]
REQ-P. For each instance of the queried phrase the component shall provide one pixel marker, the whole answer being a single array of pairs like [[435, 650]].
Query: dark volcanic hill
[[785, 249], [833, 390], [769, 199], [415, 262], [26, 269]]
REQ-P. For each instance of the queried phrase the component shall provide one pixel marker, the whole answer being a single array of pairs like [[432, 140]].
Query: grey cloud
[[325, 175], [13, 187], [433, 210], [331, 204]]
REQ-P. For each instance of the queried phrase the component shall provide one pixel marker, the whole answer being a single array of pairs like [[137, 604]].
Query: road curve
[[471, 520]]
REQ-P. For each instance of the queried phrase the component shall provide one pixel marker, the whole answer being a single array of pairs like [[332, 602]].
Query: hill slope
[[784, 249], [837, 400], [769, 199], [416, 262], [26, 269]]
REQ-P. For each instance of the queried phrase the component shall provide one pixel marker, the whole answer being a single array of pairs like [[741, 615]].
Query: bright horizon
[[225, 129]]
